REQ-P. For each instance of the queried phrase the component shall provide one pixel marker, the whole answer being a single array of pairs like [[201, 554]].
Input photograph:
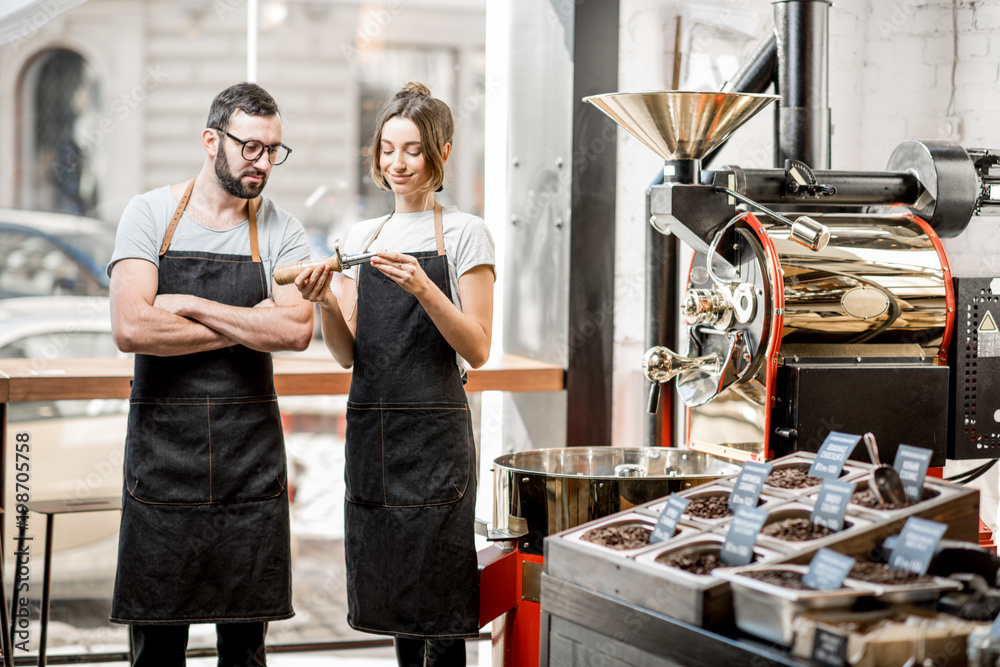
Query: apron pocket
[[406, 455], [248, 448], [167, 458]]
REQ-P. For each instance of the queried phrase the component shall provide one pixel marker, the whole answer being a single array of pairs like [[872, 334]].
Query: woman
[[409, 322]]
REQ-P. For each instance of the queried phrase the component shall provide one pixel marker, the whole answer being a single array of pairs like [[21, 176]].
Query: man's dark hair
[[248, 97]]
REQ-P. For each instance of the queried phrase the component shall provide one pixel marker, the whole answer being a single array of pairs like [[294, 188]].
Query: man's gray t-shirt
[[144, 222]]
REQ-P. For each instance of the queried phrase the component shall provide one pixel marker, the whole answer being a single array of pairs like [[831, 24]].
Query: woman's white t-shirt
[[467, 243]]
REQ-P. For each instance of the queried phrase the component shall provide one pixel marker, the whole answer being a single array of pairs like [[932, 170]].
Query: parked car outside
[[76, 446], [45, 253]]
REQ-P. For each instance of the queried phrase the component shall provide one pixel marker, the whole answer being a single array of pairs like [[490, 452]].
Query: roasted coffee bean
[[620, 538], [710, 507], [697, 563], [795, 530], [866, 498], [784, 578], [792, 478], [880, 573]]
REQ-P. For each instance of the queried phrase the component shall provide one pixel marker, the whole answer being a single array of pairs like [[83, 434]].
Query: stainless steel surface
[[810, 233], [890, 254], [803, 230], [531, 581], [556, 489], [831, 297], [661, 365], [918, 593], [769, 611], [680, 124]]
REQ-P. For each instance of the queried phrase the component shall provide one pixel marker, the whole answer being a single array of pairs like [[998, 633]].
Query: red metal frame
[[516, 627], [949, 286]]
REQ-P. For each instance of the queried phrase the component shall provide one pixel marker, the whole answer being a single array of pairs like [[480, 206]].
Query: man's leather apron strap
[[177, 218], [179, 211]]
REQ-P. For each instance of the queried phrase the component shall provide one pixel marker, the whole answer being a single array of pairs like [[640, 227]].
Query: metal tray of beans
[[902, 586], [789, 526], [698, 556], [864, 501], [768, 598], [634, 577], [710, 504], [790, 475], [578, 556]]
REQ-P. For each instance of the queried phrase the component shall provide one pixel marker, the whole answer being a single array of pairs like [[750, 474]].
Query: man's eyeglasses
[[253, 149]]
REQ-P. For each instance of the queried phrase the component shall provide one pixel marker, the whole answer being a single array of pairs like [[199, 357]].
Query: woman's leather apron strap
[[377, 230], [438, 230], [179, 211]]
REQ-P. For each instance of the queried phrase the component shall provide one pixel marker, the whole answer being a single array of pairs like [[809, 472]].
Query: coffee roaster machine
[[808, 300], [819, 300]]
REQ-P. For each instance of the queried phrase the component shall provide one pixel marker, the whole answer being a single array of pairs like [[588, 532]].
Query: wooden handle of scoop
[[287, 273]]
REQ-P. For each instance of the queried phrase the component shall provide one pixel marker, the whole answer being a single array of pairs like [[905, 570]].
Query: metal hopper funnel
[[680, 125]]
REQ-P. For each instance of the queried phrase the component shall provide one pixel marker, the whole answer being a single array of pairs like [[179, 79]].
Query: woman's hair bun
[[412, 89]]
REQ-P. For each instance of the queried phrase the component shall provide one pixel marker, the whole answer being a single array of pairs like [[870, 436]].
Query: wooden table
[[294, 375]]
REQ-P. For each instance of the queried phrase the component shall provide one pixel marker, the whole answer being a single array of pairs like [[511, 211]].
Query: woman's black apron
[[205, 528], [411, 479]]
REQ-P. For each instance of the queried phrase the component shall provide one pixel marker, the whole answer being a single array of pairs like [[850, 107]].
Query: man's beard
[[232, 183]]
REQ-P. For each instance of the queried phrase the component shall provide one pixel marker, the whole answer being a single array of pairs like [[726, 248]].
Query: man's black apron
[[411, 479], [205, 527]]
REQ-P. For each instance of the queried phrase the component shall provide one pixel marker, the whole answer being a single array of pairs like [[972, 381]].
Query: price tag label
[[915, 546], [911, 464], [829, 648], [827, 570], [833, 454], [666, 525], [743, 531], [831, 505], [746, 490]]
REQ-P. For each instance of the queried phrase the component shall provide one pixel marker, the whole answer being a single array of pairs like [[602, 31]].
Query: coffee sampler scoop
[[884, 482], [286, 273]]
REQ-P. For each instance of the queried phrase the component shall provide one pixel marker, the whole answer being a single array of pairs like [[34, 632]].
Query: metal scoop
[[884, 482]]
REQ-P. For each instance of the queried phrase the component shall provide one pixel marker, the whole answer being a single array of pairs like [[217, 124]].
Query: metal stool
[[50, 508]]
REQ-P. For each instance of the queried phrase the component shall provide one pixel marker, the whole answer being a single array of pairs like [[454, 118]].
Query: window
[[60, 110]]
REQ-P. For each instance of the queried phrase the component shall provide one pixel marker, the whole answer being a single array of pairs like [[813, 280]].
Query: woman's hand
[[404, 270], [314, 284]]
